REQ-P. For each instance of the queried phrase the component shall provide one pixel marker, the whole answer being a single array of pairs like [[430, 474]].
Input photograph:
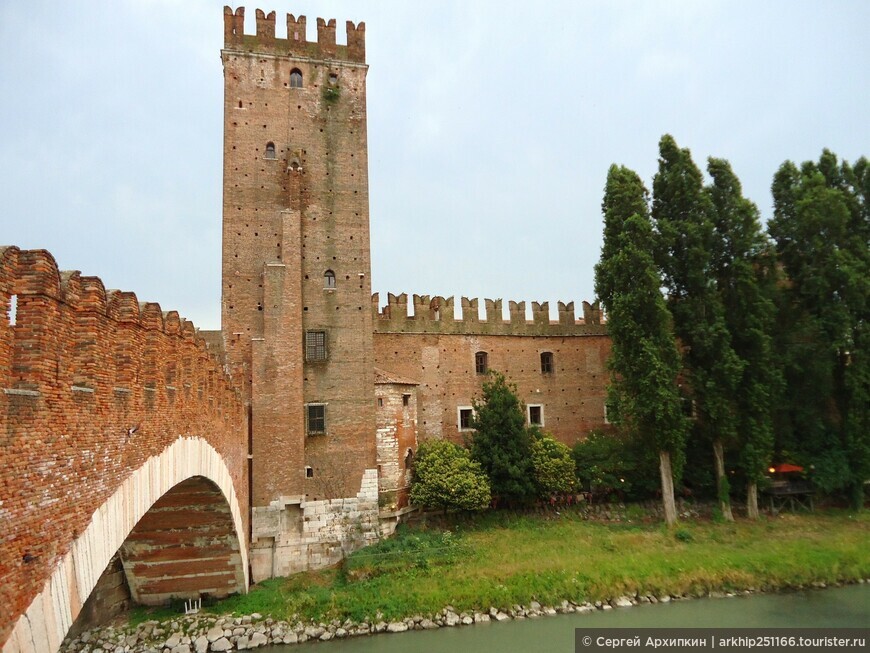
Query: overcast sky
[[491, 126]]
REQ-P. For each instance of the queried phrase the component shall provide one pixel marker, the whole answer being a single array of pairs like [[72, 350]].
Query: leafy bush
[[501, 442], [446, 477], [552, 463], [610, 464]]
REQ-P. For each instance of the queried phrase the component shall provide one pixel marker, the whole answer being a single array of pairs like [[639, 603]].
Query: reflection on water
[[842, 606]]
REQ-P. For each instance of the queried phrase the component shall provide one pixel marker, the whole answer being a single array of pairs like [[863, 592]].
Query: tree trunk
[[752, 500], [722, 488], [667, 488]]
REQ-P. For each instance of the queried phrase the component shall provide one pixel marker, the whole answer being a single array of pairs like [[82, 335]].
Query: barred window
[[546, 362], [481, 365], [315, 346], [315, 419], [466, 414]]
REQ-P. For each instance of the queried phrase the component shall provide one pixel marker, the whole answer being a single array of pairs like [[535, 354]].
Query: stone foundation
[[292, 535]]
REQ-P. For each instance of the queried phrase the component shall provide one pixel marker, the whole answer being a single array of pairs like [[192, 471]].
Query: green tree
[[744, 271], [683, 215], [552, 463], [821, 226], [501, 442], [643, 397], [446, 478]]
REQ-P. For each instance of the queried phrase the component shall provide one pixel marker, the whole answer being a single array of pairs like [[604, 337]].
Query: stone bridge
[[123, 455]]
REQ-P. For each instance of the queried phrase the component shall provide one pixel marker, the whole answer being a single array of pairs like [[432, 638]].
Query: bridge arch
[[49, 617]]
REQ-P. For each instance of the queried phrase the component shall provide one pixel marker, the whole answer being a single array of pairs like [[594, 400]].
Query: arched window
[[329, 279], [295, 78], [409, 459], [270, 150], [546, 362], [481, 366]]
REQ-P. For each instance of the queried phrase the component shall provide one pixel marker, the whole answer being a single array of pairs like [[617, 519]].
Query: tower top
[[295, 44]]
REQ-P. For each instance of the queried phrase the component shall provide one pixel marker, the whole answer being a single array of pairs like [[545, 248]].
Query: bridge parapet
[[93, 384]]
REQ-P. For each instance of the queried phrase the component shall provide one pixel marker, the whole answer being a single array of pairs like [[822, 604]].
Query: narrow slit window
[[296, 78], [13, 310]]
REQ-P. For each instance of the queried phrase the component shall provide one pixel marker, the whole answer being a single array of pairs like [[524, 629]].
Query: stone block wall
[[292, 534]]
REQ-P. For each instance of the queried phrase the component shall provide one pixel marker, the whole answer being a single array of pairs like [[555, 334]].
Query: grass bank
[[502, 559]]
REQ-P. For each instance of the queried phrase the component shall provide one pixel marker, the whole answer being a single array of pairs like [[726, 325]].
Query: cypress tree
[[744, 274], [643, 397], [683, 215]]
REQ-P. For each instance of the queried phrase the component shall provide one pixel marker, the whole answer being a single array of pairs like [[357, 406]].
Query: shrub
[[552, 463], [608, 464], [446, 477], [501, 442]]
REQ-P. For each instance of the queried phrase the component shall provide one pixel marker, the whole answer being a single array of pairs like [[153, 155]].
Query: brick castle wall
[[295, 208], [438, 351], [93, 383]]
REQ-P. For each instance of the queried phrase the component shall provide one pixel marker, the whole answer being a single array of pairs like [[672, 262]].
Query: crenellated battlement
[[296, 44], [64, 330], [436, 315]]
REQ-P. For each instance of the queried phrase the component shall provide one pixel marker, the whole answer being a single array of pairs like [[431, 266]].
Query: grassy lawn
[[502, 559]]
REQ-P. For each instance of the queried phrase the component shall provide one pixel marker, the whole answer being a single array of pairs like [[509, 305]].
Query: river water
[[838, 607]]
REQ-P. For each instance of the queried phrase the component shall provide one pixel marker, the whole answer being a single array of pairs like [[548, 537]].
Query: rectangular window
[[315, 419], [546, 362], [465, 413], [536, 414], [481, 364], [315, 345], [406, 400]]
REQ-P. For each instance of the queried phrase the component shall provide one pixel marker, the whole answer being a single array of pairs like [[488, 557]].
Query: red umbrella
[[785, 468]]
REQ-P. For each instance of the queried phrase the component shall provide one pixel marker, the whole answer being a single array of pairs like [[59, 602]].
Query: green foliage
[[744, 269], [643, 398], [612, 464], [685, 245], [407, 551], [501, 443], [498, 562], [553, 465], [445, 477], [821, 226], [331, 94]]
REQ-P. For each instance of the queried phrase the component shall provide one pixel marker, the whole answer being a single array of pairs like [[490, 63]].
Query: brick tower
[[296, 315]]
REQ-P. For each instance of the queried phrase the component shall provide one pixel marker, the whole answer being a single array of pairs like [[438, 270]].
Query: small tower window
[[329, 279], [333, 79], [270, 150], [546, 362], [295, 78], [481, 364]]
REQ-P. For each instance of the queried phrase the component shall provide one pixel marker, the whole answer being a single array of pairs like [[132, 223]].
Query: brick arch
[[51, 614]]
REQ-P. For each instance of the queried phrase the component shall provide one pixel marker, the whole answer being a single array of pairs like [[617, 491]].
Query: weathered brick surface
[[288, 219], [572, 396], [93, 385], [396, 400]]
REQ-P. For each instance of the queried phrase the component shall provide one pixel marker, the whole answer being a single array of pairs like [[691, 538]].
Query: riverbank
[[504, 566]]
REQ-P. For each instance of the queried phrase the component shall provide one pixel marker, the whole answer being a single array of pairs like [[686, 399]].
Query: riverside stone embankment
[[202, 633]]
